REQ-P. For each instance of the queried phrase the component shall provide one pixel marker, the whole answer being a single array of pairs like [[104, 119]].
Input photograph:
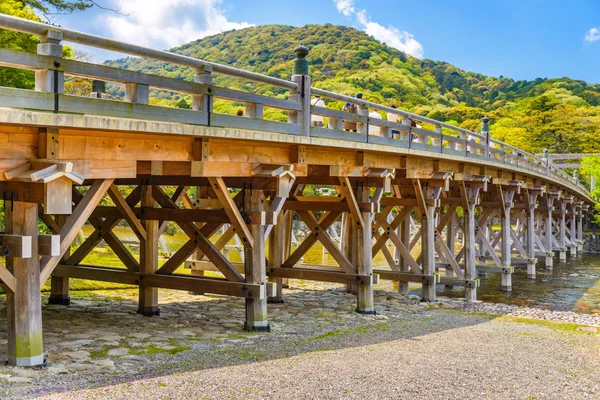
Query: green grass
[[554, 325]]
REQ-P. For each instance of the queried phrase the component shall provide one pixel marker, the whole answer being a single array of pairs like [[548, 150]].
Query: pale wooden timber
[[148, 233], [59, 286], [23, 302], [255, 265], [177, 282]]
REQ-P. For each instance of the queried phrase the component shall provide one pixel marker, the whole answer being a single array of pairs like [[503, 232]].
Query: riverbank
[[100, 344]]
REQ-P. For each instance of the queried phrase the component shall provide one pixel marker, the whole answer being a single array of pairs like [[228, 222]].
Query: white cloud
[[592, 35], [163, 24], [391, 35], [345, 7]]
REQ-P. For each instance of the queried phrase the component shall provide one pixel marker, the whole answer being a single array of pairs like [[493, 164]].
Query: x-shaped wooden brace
[[319, 233], [198, 239], [103, 231], [391, 234], [485, 244]]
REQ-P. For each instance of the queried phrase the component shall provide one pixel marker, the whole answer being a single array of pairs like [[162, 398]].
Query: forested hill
[[560, 114]]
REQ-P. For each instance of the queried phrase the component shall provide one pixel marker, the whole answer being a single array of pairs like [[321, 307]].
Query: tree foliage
[[562, 115]]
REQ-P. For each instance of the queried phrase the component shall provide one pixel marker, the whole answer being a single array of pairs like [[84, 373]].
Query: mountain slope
[[560, 114]]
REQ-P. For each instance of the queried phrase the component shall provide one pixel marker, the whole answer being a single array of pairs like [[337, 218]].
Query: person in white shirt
[[393, 118], [317, 120], [374, 130]]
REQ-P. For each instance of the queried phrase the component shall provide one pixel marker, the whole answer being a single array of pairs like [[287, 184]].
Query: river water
[[573, 285]]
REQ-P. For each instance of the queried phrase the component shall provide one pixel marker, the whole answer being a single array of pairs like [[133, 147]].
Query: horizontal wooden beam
[[175, 282], [406, 277], [468, 283], [49, 245], [322, 275], [184, 215], [17, 246], [493, 268]]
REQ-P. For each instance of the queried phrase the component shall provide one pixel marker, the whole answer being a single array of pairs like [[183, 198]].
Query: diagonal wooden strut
[[73, 225], [232, 211]]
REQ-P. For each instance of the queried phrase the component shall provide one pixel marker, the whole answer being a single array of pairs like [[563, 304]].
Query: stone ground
[[318, 348]]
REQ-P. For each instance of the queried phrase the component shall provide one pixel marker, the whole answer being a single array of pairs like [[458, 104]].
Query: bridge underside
[[437, 219]]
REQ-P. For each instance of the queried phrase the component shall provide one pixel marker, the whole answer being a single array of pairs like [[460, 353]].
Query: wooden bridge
[[61, 155]]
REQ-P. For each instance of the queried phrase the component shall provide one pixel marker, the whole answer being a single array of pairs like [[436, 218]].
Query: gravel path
[[461, 357]]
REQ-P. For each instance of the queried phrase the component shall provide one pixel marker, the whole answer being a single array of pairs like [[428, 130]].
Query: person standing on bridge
[[351, 108], [392, 117], [374, 129], [317, 120]]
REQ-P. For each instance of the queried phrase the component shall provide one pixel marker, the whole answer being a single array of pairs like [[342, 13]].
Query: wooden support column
[[580, 229], [549, 234], [201, 193], [428, 198], [531, 198], [562, 235], [59, 285], [254, 264], [24, 306], [364, 266], [277, 243], [404, 233], [470, 198], [507, 195], [451, 242], [573, 230], [148, 297], [349, 247]]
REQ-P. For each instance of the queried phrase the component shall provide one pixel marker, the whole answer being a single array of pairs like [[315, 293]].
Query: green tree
[[11, 40]]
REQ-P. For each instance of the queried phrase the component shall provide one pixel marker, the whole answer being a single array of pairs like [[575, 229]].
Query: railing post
[[485, 131], [302, 94], [362, 127], [50, 80], [98, 89], [438, 141], [547, 161], [202, 102], [405, 121], [137, 93], [254, 110]]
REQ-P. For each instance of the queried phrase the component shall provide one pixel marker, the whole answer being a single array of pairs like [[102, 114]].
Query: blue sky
[[522, 39]]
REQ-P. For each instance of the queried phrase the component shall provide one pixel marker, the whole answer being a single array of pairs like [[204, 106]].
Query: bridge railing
[[410, 131]]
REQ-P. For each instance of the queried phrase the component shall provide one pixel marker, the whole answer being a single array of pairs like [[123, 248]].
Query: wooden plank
[[48, 245], [18, 246], [405, 276], [232, 211], [127, 212], [322, 276], [351, 201], [74, 224], [175, 282], [7, 278]]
